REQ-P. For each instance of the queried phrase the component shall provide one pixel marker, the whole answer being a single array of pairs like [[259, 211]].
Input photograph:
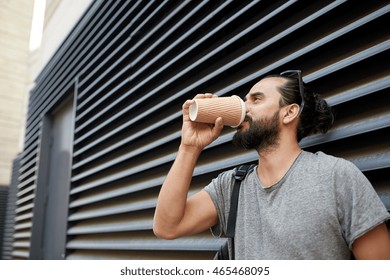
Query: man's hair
[[316, 116]]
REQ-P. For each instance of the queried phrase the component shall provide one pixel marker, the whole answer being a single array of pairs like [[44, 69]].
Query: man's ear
[[290, 113]]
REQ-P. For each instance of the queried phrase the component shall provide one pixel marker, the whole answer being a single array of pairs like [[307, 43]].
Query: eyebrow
[[255, 94]]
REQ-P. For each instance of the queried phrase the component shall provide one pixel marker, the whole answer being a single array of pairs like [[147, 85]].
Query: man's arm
[[176, 215], [374, 245]]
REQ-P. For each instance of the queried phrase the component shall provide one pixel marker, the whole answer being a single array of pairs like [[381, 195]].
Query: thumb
[[218, 126]]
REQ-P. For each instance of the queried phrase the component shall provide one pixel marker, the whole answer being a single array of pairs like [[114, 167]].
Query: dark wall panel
[[8, 221]]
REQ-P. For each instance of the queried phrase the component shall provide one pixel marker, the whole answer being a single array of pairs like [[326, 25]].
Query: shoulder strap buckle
[[241, 171]]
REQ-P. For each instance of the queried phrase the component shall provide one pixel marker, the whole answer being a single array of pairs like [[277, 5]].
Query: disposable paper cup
[[207, 110]]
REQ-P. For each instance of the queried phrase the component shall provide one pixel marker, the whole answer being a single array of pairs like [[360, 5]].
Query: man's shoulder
[[338, 164], [227, 177], [232, 171], [322, 157]]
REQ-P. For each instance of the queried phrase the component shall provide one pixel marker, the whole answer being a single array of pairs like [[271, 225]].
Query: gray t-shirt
[[316, 211]]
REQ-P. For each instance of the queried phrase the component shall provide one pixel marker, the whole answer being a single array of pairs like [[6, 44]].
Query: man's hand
[[199, 135]]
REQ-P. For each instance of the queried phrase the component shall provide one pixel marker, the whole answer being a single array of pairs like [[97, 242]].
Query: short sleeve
[[219, 190], [358, 205]]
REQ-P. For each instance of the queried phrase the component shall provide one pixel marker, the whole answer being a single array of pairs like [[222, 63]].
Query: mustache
[[248, 119]]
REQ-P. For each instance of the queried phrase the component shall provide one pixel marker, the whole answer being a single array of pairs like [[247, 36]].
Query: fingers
[[205, 95], [189, 102]]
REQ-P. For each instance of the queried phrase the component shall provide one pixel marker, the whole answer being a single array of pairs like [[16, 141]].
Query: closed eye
[[257, 96]]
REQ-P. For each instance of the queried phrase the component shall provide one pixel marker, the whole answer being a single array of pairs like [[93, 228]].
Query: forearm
[[172, 199]]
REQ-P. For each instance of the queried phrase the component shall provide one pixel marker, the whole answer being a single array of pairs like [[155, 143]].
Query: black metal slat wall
[[3, 207], [9, 220], [133, 63]]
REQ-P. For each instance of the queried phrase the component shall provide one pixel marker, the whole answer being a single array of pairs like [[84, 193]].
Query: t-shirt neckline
[[277, 184]]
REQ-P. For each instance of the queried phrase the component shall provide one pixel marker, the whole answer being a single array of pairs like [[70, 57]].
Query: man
[[294, 204]]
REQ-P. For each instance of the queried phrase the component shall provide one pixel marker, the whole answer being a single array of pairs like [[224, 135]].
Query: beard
[[261, 134]]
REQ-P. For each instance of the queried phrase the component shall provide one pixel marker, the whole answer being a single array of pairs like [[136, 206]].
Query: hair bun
[[317, 116]]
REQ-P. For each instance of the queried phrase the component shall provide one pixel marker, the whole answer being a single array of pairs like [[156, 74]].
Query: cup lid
[[243, 111]]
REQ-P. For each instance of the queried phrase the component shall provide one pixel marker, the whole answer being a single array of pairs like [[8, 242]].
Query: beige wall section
[[19, 66], [60, 18], [15, 24]]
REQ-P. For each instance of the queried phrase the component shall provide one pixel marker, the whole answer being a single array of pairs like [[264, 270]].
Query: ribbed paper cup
[[207, 110]]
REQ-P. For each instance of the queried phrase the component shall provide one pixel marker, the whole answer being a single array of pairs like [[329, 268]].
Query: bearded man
[[294, 204]]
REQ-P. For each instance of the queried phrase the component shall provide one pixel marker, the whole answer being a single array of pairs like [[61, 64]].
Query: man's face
[[261, 127]]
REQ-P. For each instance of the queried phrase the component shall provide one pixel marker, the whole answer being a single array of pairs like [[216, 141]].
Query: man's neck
[[275, 162]]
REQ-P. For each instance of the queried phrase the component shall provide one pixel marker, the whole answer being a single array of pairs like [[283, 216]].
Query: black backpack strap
[[241, 172]]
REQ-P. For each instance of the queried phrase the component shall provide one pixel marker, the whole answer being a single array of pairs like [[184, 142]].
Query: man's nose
[[247, 106]]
